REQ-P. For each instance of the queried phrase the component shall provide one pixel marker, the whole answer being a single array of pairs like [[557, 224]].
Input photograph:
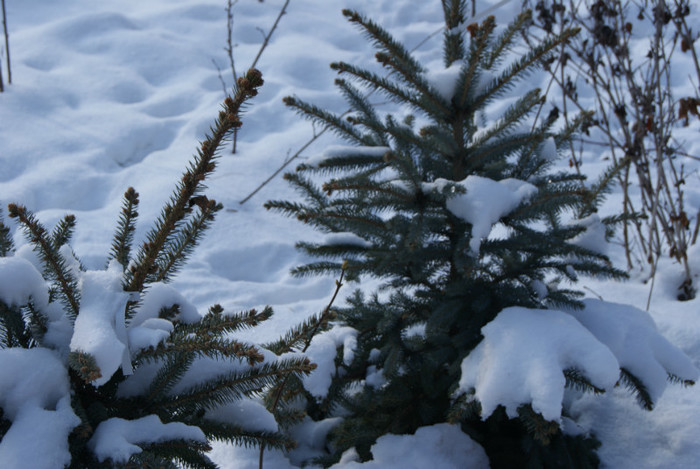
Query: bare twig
[[322, 319], [285, 164], [269, 34], [229, 41], [229, 47], [7, 44]]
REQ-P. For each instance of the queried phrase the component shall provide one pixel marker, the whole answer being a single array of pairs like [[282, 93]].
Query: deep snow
[[115, 94]]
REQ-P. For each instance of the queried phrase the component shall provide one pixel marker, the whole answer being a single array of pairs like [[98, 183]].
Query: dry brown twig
[[636, 112]]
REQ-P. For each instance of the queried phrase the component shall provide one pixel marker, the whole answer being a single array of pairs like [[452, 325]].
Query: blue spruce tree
[[410, 203]]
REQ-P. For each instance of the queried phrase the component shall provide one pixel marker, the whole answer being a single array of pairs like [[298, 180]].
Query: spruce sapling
[[415, 207]]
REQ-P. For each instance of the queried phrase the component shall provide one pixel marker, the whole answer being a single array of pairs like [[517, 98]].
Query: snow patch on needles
[[442, 445], [343, 151], [322, 352], [117, 439], [485, 202], [35, 396], [100, 328], [160, 295], [334, 239], [548, 150], [20, 281], [444, 80], [522, 358], [525, 351]]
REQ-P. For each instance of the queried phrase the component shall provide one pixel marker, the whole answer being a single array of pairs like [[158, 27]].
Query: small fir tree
[[143, 408], [412, 202]]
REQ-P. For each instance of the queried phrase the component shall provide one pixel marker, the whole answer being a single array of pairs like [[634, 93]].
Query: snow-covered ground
[[108, 95]]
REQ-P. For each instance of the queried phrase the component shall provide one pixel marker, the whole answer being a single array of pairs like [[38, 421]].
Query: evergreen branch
[[575, 379], [305, 335], [201, 346], [505, 80], [392, 91], [6, 244], [286, 207], [147, 459], [37, 325], [359, 103], [191, 182], [678, 380], [235, 385], [189, 453], [327, 119], [366, 188], [373, 221], [63, 232], [236, 435], [513, 115], [637, 387], [497, 150], [124, 236], [476, 51], [174, 368], [405, 64], [427, 91], [346, 163], [602, 187], [505, 39], [453, 46], [54, 263], [317, 268], [540, 428], [307, 188], [12, 327], [85, 365], [176, 251]]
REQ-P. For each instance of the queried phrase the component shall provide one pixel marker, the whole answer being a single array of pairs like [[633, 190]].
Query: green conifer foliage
[[391, 194], [160, 367]]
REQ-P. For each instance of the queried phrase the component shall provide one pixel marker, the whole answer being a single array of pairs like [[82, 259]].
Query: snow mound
[[35, 396], [442, 446], [20, 282]]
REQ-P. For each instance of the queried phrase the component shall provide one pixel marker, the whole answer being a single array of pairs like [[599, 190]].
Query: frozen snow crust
[[104, 97]]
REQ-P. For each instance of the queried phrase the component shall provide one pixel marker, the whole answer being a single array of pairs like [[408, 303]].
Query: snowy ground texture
[[108, 95]]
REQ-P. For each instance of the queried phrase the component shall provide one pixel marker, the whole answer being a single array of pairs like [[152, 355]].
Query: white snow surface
[[105, 97]]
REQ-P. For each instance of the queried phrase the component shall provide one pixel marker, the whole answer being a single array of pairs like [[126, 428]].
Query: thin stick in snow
[[7, 45]]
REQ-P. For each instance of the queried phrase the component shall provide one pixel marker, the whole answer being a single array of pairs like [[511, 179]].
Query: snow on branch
[[522, 359], [485, 202], [526, 354]]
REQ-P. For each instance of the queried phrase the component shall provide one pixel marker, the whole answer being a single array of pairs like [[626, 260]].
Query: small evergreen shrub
[[454, 332], [114, 368]]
